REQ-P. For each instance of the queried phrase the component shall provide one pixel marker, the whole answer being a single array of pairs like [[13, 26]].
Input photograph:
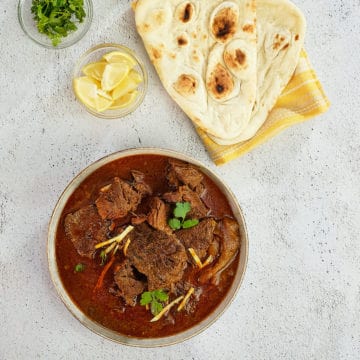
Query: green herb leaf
[[103, 257], [155, 307], [155, 299], [56, 18], [180, 212], [161, 295], [146, 298], [175, 224], [182, 209], [187, 224], [79, 267]]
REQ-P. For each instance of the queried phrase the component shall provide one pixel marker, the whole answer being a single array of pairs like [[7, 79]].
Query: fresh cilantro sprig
[[103, 257], [56, 18], [79, 267], [155, 299], [180, 212]]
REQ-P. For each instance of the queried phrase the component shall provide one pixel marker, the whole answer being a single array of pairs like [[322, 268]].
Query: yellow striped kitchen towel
[[302, 99]]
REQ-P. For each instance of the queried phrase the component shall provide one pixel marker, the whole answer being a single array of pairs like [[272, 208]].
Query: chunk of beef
[[214, 247], [138, 219], [85, 229], [185, 194], [117, 199], [159, 256], [129, 285], [158, 215], [228, 232], [198, 237], [139, 183], [181, 287], [180, 172]]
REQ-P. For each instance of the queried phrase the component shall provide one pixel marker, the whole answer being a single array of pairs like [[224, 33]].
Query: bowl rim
[[63, 45], [139, 100], [111, 334]]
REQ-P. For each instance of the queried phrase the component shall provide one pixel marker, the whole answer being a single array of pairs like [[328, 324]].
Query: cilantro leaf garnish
[[182, 209], [79, 267], [155, 307], [161, 295], [103, 257], [180, 212], [146, 298], [155, 299], [56, 18], [190, 223], [175, 224]]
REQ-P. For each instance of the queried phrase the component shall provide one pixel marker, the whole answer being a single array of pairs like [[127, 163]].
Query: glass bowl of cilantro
[[55, 24]]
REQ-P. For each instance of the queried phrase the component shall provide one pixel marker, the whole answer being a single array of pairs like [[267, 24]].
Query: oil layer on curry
[[147, 246]]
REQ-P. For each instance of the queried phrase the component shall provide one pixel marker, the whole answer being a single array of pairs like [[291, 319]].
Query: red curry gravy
[[102, 306]]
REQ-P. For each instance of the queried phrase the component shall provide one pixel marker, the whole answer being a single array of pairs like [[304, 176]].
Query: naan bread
[[205, 55], [281, 32]]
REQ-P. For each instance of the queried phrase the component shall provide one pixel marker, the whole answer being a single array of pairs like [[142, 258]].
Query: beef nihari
[[147, 246]]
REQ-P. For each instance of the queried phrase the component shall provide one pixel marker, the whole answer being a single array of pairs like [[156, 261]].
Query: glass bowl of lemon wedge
[[110, 81]]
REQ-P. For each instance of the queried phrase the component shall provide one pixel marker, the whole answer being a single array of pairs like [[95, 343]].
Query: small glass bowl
[[28, 24], [95, 54]]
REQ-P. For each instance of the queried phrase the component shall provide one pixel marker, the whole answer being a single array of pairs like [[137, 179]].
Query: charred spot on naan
[[154, 20], [235, 59], [155, 54], [280, 42], [182, 40], [186, 85], [185, 12], [220, 83], [195, 56], [224, 24], [240, 58], [249, 28], [252, 5], [277, 41]]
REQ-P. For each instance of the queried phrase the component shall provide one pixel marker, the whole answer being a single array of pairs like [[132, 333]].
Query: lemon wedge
[[120, 57], [111, 83], [136, 76], [102, 104], [124, 101], [95, 70], [113, 75], [104, 94], [87, 91], [129, 84]]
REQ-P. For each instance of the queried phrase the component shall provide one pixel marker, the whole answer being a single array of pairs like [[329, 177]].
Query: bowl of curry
[[147, 247]]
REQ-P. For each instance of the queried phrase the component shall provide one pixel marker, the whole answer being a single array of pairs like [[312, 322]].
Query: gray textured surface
[[300, 193]]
